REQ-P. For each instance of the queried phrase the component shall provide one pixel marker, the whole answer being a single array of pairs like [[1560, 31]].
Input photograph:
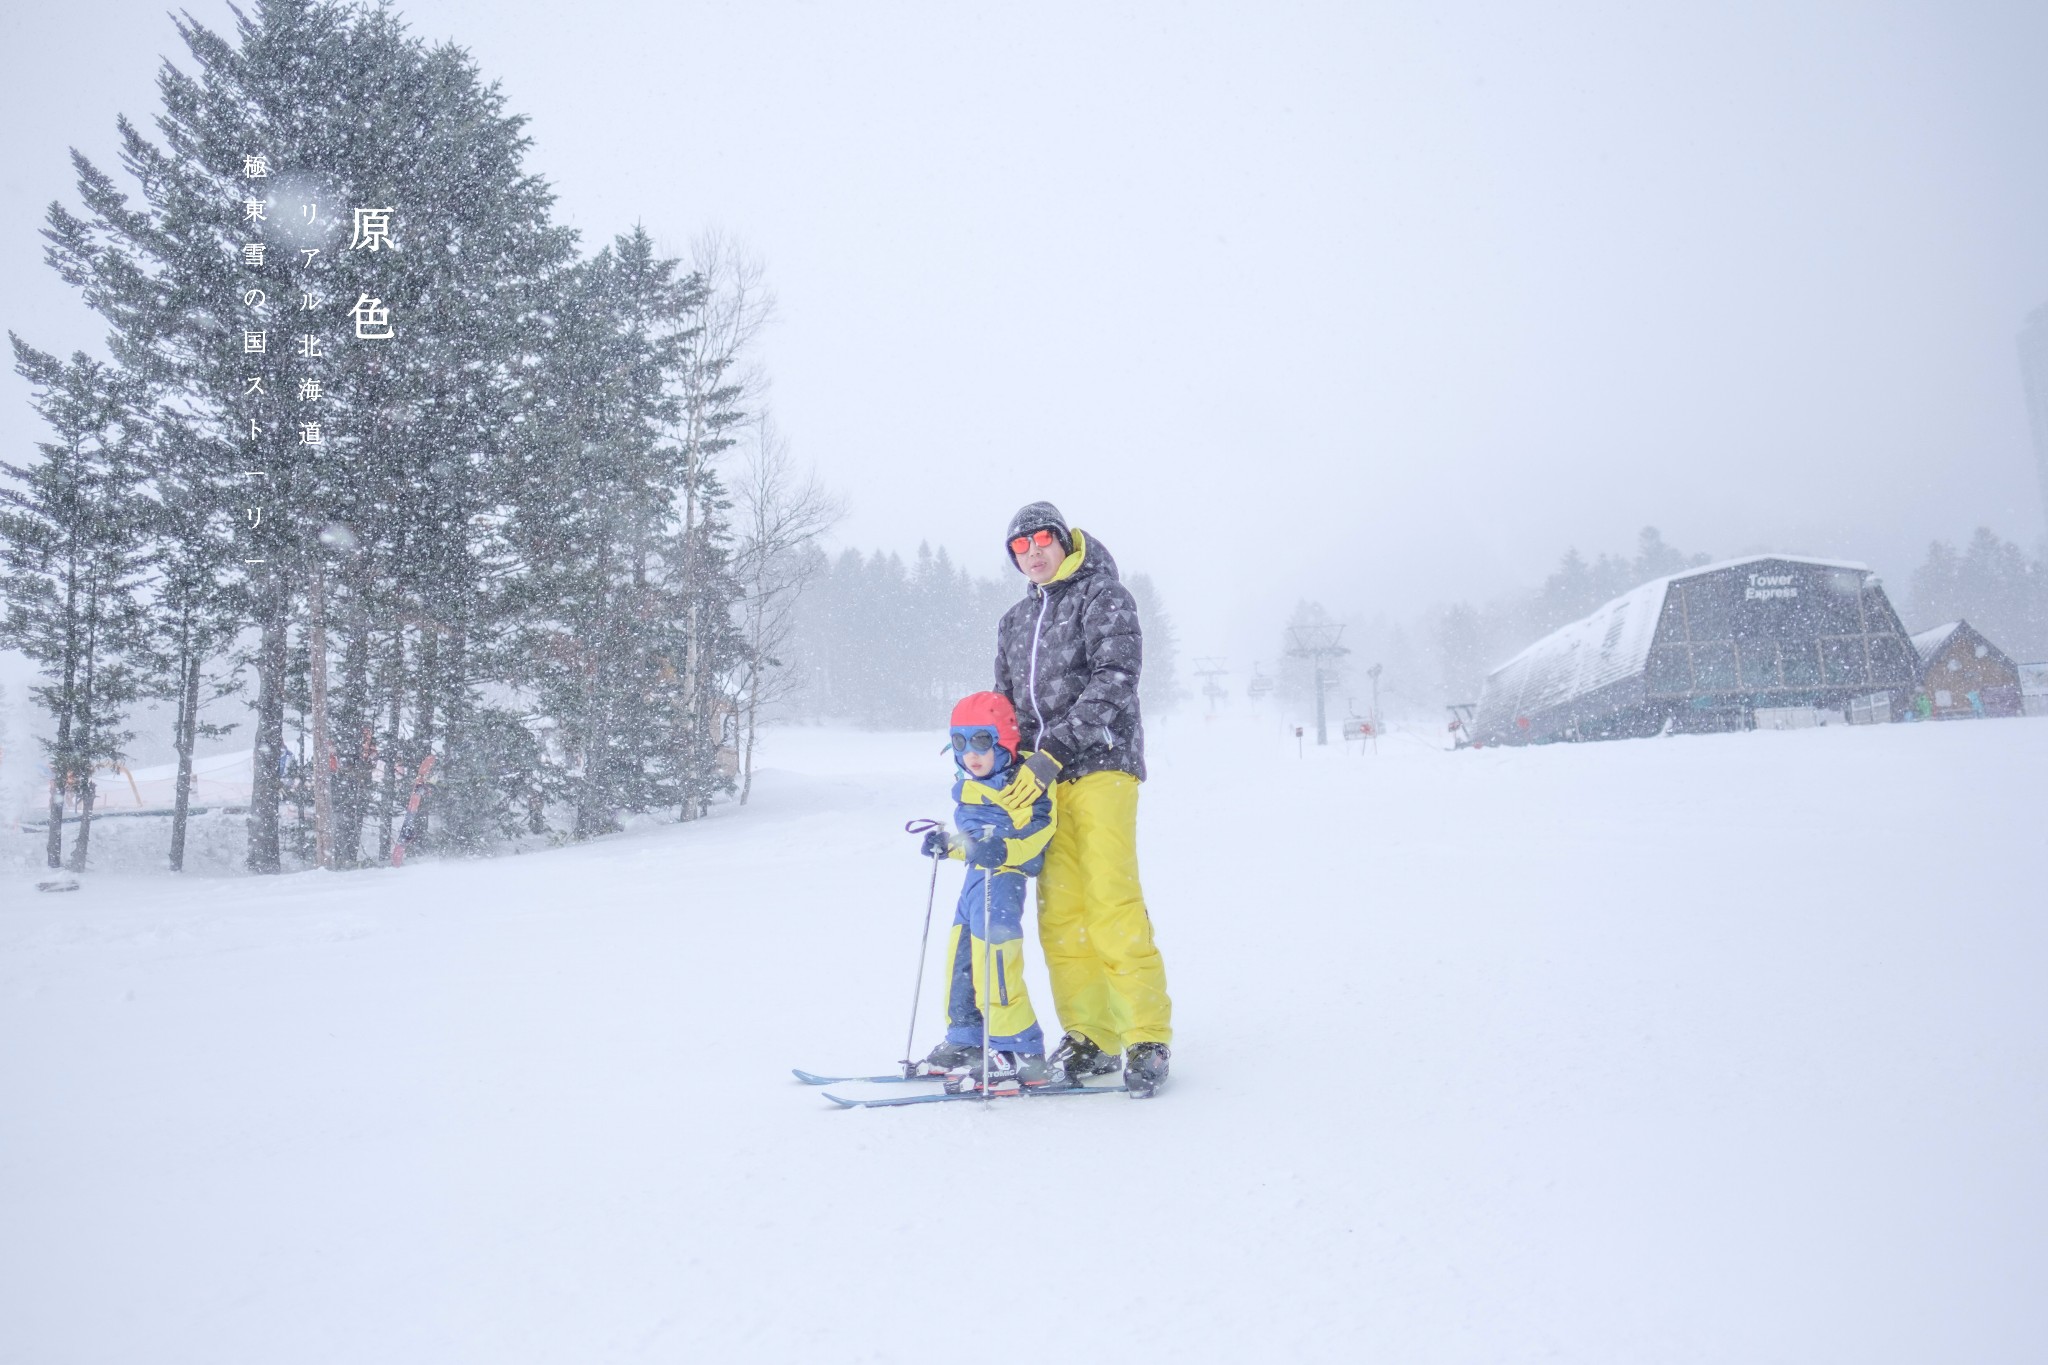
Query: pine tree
[[1567, 594], [198, 608], [724, 306], [379, 471], [697, 568], [1159, 682], [72, 562], [1990, 583], [1656, 559], [620, 529], [592, 500]]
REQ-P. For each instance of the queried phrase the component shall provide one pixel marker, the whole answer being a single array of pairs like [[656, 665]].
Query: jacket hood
[[1090, 556]]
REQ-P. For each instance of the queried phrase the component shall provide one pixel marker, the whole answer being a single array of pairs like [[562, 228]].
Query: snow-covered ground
[[1704, 1050]]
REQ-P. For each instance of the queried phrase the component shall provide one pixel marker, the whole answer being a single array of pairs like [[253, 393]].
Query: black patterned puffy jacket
[[1068, 657]]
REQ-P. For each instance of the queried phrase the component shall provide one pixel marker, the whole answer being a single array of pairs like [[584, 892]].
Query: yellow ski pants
[[1108, 982]]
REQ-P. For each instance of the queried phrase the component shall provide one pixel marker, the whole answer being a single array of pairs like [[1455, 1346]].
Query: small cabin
[[1963, 676]]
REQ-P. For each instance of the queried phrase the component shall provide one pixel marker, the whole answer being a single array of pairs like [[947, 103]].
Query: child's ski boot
[[1006, 1071], [949, 1057]]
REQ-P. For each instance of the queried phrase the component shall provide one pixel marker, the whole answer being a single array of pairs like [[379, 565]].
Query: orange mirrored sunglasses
[[1042, 536]]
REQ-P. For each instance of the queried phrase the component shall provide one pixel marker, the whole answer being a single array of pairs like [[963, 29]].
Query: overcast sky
[[1385, 305]]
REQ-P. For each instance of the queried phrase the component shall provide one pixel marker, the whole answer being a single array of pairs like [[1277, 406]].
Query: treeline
[[892, 645], [448, 488], [1992, 584], [1472, 639], [1445, 654]]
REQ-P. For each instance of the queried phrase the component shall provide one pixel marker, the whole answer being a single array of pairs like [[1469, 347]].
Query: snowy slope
[[1711, 1049]]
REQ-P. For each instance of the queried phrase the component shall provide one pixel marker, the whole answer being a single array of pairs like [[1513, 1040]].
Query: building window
[[1706, 609], [1890, 665], [1802, 663], [1759, 664], [1670, 674], [1837, 605], [1713, 668], [1671, 623], [1841, 658]]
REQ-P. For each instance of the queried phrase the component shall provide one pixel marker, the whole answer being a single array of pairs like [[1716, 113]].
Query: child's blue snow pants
[[1013, 1027]]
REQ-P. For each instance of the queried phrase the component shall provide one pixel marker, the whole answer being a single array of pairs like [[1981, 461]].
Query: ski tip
[[842, 1102], [808, 1079]]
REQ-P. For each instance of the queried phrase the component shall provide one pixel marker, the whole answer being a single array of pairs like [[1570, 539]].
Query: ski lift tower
[[1317, 643], [1209, 670]]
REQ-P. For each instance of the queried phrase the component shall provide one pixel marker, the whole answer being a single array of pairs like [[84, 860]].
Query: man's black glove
[[1032, 781], [937, 843], [987, 853]]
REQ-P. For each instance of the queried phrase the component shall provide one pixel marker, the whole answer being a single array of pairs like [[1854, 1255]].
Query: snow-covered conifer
[[72, 562]]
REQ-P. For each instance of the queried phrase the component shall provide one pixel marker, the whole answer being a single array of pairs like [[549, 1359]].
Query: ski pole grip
[[927, 828]]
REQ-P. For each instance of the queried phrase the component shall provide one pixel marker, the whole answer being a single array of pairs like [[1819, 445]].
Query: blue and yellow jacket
[[977, 816]]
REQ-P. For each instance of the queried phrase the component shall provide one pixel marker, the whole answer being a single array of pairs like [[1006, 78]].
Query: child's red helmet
[[990, 709]]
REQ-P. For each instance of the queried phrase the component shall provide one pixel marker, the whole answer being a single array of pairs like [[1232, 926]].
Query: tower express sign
[[1770, 587]]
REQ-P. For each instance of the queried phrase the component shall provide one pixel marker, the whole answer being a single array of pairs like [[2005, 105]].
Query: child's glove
[[988, 853], [937, 844], [1032, 781]]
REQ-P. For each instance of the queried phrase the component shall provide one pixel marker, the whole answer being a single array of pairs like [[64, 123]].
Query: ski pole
[[988, 972], [924, 945]]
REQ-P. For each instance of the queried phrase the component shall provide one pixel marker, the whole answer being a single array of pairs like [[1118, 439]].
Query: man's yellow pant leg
[[1108, 982]]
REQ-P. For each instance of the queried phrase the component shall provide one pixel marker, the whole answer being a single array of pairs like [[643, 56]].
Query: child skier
[[1000, 857]]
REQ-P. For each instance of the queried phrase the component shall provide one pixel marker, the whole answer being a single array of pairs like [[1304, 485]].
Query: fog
[[1385, 308]]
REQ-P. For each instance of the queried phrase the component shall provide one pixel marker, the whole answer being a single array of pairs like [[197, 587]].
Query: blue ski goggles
[[977, 738]]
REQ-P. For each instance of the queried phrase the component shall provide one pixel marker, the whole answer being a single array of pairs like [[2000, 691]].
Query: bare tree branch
[[782, 512]]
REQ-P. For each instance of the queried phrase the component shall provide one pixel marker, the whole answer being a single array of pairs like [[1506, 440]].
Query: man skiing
[[1068, 656], [1001, 848]]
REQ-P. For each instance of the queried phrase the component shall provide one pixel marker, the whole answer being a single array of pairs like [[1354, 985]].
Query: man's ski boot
[[1006, 1071], [1145, 1069], [948, 1057], [1076, 1059]]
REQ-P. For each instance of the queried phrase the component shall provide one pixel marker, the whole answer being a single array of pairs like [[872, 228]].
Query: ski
[[812, 1078], [950, 1097], [412, 812]]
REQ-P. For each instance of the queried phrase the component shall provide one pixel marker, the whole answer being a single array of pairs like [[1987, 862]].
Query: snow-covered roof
[[1721, 564], [1588, 654], [1605, 647], [1928, 643]]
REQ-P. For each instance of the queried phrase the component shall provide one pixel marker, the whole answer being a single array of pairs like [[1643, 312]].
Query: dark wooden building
[[1702, 650], [1963, 676]]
